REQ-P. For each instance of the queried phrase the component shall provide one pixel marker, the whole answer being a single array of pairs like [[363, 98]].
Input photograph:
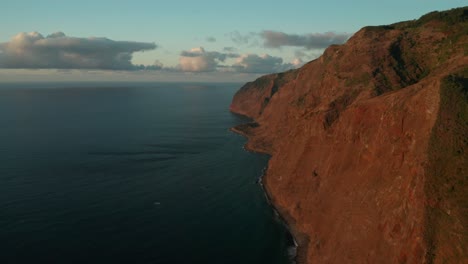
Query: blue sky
[[193, 40]]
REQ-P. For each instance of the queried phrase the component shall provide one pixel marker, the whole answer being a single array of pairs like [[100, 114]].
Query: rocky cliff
[[368, 144]]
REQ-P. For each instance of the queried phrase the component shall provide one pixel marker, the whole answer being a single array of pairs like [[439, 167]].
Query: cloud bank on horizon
[[199, 60], [59, 51]]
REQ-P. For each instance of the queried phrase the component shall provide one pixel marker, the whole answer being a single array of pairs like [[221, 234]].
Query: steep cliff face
[[368, 144]]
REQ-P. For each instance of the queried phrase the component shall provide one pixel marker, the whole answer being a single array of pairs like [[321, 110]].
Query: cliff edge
[[368, 144]]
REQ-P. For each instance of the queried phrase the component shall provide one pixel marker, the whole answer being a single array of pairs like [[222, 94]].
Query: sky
[[219, 41]]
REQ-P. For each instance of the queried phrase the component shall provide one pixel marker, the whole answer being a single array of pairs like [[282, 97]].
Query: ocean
[[130, 173]]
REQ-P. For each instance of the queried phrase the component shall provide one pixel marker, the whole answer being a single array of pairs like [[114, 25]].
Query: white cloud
[[58, 51], [199, 60], [297, 62], [253, 63]]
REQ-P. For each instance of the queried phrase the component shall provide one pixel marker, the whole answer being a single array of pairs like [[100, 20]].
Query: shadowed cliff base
[[368, 144]]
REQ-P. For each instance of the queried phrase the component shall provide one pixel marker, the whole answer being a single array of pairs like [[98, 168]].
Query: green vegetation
[[411, 58], [377, 29], [300, 102], [339, 105], [450, 17], [409, 65], [362, 79], [446, 183], [262, 82], [384, 85], [286, 77]]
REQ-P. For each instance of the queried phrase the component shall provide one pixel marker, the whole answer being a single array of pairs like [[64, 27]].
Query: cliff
[[368, 144]]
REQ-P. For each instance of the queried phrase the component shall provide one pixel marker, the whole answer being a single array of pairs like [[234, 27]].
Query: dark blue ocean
[[130, 173]]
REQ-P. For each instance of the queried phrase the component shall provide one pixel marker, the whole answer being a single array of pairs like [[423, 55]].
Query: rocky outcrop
[[368, 144]]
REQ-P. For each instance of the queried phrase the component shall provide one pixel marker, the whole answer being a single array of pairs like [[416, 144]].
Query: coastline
[[366, 163], [281, 219], [299, 240]]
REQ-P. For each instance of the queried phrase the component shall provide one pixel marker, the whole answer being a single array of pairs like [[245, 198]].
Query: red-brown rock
[[368, 144]]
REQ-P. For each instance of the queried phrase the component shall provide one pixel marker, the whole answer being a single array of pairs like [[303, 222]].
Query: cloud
[[241, 39], [253, 63], [211, 39], [300, 54], [275, 39], [199, 60], [58, 51], [297, 62], [229, 49], [307, 55], [157, 65]]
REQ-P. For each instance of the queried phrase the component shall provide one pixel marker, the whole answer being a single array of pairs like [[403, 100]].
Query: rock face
[[369, 144]]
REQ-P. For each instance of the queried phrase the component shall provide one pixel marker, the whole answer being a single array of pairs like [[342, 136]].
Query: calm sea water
[[130, 173]]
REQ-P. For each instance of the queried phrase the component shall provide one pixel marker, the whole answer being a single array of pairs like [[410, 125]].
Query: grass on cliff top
[[279, 80], [450, 17]]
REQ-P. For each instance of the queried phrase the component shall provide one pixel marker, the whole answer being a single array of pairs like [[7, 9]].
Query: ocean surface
[[130, 173]]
